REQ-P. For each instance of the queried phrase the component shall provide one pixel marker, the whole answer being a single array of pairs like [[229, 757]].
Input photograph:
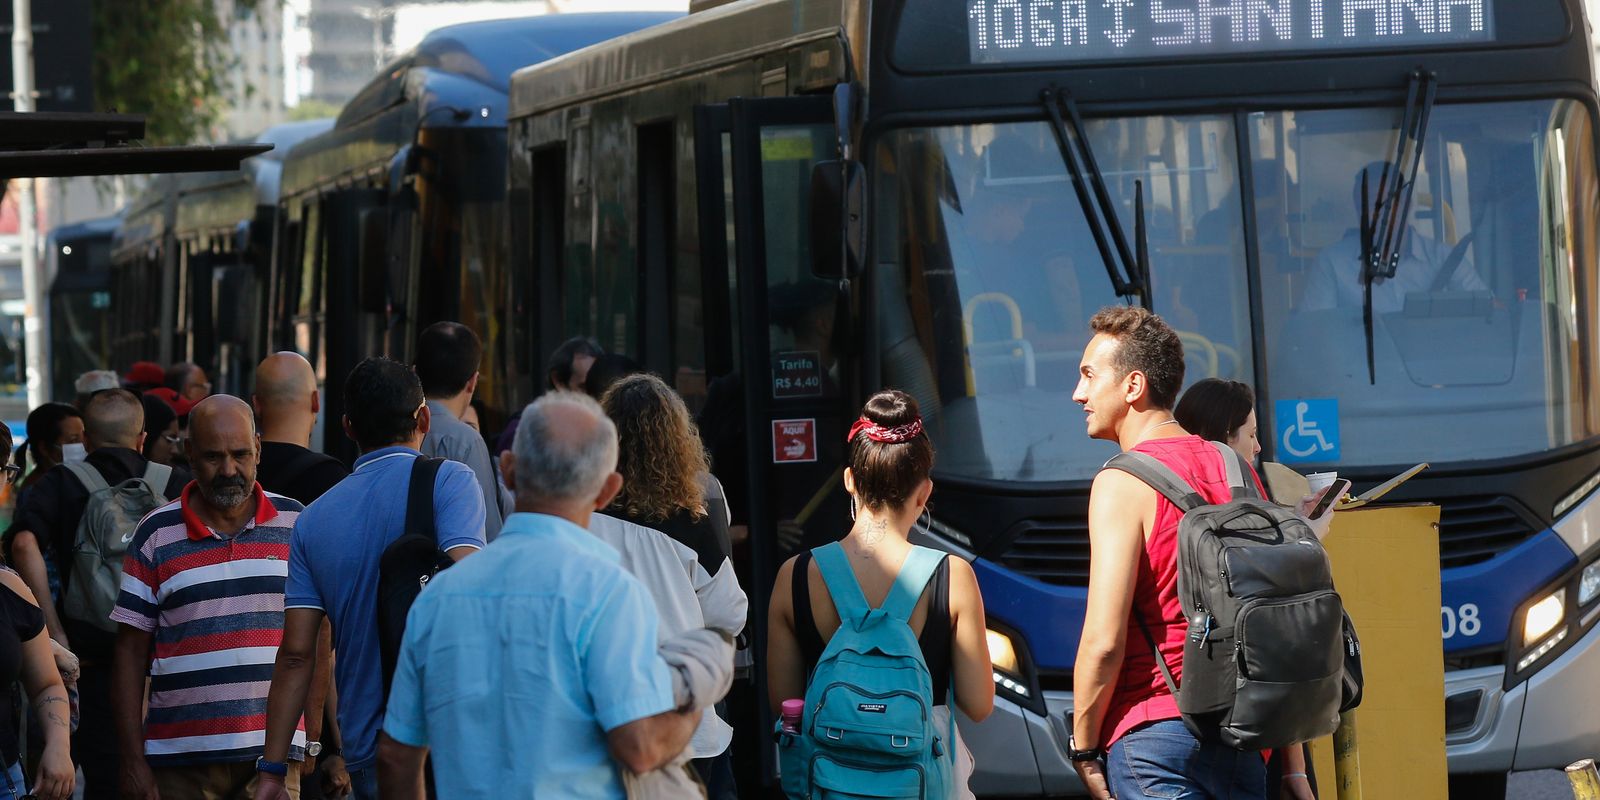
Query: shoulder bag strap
[[913, 578], [841, 582], [419, 496], [1159, 477]]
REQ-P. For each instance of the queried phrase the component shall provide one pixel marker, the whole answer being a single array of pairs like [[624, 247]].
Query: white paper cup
[[1321, 480]]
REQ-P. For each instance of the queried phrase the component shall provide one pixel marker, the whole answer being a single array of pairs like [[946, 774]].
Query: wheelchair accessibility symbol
[[1308, 430]]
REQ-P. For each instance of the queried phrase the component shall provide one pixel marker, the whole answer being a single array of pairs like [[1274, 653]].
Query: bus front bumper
[[1545, 722]]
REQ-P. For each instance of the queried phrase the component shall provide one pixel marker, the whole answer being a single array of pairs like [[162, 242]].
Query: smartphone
[[1329, 496]]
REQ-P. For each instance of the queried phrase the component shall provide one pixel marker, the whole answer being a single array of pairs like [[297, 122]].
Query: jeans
[[364, 783], [14, 786], [1165, 760]]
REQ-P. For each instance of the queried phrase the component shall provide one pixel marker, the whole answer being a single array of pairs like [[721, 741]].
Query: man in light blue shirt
[[533, 672]]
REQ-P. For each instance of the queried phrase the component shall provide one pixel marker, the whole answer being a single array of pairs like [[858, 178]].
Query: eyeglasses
[[11, 473], [175, 441]]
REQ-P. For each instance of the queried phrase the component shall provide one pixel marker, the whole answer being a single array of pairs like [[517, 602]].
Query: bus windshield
[[1483, 341], [988, 276]]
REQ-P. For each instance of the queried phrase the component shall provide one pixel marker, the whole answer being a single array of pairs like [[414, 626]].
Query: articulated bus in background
[[685, 195], [395, 218], [79, 256], [186, 258]]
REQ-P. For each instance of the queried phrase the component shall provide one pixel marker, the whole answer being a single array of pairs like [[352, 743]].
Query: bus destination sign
[[1023, 31]]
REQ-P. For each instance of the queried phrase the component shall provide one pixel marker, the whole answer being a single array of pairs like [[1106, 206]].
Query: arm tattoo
[[44, 709]]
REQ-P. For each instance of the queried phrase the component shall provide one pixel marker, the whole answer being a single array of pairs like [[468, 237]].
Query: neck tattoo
[[873, 533]]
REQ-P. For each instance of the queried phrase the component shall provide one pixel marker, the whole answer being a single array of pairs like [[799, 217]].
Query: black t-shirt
[[296, 472], [706, 536], [934, 640], [20, 621], [51, 510]]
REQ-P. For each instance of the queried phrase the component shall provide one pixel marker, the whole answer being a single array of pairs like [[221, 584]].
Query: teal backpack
[[868, 728]]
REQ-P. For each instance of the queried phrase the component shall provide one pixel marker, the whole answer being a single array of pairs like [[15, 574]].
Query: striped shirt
[[215, 606]]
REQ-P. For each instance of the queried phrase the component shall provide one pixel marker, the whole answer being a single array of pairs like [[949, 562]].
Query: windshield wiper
[[1383, 228], [1129, 270]]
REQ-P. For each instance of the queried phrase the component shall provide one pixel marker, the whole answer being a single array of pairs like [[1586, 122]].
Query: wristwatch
[[1077, 756], [318, 749], [277, 768]]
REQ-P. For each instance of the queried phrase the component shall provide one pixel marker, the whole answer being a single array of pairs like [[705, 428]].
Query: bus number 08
[[1463, 620]]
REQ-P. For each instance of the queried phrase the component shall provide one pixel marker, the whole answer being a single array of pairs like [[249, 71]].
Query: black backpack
[[1270, 659], [407, 565]]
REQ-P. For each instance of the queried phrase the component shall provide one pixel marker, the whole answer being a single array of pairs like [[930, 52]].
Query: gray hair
[[560, 458]]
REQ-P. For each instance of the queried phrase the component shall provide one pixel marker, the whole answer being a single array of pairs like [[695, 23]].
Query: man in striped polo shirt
[[201, 614]]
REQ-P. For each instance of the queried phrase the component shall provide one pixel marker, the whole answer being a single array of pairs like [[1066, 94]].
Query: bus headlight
[[1544, 617], [1589, 584], [1001, 653]]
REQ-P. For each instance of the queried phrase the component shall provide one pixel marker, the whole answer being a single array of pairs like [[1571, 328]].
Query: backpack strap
[[841, 582], [1237, 469], [158, 476], [1161, 661], [913, 578], [88, 476], [1159, 477], [419, 496]]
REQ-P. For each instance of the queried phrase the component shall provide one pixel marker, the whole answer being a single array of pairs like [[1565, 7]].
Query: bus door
[[348, 332], [787, 371]]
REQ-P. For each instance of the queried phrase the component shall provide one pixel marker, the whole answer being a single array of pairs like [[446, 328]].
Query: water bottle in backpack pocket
[[868, 729]]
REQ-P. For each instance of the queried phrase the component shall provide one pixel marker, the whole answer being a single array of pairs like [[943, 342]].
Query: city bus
[[394, 218], [79, 258], [1380, 214]]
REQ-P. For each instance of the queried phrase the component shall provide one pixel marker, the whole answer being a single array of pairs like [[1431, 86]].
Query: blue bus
[[1380, 214]]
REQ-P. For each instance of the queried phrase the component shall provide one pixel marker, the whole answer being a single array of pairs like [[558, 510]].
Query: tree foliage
[[168, 60]]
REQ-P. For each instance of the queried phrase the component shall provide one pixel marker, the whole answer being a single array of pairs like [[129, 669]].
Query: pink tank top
[[1141, 695]]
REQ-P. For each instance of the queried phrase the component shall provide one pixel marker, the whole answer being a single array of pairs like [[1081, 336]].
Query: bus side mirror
[[373, 275], [838, 219]]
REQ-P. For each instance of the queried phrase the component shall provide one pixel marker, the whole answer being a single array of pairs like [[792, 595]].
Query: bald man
[[48, 517], [201, 616], [286, 404]]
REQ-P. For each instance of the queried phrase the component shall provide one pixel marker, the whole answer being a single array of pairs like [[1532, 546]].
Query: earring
[[852, 508], [926, 520]]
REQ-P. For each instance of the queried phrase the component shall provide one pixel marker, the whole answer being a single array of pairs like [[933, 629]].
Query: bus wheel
[[1477, 785]]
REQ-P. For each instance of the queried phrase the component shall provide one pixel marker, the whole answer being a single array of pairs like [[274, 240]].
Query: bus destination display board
[[1025, 31]]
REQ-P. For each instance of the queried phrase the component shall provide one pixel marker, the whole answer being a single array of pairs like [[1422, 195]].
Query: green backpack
[[868, 728]]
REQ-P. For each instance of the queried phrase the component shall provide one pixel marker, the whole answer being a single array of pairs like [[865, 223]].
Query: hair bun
[[892, 408]]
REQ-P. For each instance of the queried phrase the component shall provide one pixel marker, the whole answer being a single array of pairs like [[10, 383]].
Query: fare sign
[[1001, 31]]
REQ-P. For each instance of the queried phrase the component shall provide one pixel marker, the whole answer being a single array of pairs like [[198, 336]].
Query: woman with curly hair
[[664, 476]]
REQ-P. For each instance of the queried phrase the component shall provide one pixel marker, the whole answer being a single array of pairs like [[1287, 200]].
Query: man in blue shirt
[[533, 672], [333, 564]]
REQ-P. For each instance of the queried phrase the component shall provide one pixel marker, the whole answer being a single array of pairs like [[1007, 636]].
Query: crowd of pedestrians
[[205, 606]]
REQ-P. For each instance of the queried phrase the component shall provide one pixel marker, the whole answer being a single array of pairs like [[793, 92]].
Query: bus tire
[[1477, 785]]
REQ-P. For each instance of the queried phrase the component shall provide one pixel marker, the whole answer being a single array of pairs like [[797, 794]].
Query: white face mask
[[73, 453]]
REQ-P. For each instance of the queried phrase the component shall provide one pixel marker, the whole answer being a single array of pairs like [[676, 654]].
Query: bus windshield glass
[[988, 275], [1483, 341]]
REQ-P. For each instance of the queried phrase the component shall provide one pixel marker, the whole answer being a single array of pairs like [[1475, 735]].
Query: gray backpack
[[1264, 662], [94, 576]]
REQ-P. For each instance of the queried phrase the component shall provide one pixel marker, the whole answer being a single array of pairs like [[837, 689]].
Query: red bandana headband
[[878, 433]]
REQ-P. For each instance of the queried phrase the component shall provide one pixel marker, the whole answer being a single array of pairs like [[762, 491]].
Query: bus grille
[[1471, 530], [1056, 552], [1476, 529]]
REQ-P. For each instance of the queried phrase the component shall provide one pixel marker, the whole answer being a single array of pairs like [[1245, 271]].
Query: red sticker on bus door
[[794, 441]]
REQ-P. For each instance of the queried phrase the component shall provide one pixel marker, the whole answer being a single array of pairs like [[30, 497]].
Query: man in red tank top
[[1128, 739]]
